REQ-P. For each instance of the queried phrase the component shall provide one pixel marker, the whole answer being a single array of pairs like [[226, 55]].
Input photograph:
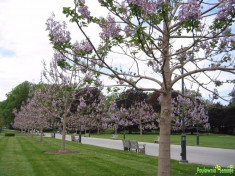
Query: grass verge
[[205, 140], [23, 156]]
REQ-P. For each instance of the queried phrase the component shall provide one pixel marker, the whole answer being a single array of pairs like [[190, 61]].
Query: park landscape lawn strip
[[205, 140], [89, 160], [13, 160], [41, 163]]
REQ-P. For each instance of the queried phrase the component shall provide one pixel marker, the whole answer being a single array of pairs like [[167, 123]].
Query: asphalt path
[[198, 155]]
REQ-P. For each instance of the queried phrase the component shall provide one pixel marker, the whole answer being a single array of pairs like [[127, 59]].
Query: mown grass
[[23, 156], [205, 140]]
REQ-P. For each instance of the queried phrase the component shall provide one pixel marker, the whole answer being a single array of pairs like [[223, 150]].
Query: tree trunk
[[98, 129], [41, 132], [63, 132], [141, 130], [164, 164], [164, 143], [115, 130], [32, 133], [64, 123]]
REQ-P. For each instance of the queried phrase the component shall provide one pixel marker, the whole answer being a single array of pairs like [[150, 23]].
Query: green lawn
[[23, 156], [206, 140]]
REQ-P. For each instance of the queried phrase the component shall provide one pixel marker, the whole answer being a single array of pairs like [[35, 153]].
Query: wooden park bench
[[87, 135], [126, 145], [157, 140], [137, 147], [73, 138], [115, 137]]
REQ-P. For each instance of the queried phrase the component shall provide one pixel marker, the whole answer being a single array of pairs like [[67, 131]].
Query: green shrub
[[9, 134]]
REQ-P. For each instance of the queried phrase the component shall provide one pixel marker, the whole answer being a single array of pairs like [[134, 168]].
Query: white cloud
[[23, 32]]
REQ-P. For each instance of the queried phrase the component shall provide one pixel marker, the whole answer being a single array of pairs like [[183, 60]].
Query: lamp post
[[197, 122], [80, 135], [197, 136], [183, 135]]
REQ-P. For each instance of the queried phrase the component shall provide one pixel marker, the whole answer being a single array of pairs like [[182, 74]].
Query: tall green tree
[[15, 99]]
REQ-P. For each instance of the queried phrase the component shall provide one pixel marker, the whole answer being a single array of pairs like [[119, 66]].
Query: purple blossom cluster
[[36, 114], [57, 30], [58, 56], [110, 28], [128, 31], [225, 7], [195, 113], [228, 40], [83, 10], [148, 6], [190, 10], [84, 45]]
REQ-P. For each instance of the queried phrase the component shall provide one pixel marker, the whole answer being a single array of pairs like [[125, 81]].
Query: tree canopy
[[15, 99]]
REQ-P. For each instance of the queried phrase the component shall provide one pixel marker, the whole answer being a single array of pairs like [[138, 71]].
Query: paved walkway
[[199, 155]]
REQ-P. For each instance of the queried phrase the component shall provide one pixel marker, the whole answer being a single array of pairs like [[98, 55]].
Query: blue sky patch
[[6, 52]]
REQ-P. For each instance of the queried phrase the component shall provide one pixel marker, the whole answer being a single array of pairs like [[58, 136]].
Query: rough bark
[[164, 143], [164, 166]]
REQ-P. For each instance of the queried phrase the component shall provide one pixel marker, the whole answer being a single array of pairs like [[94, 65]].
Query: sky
[[24, 42]]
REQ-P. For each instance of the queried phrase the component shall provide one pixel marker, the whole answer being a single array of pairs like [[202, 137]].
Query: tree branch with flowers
[[157, 39]]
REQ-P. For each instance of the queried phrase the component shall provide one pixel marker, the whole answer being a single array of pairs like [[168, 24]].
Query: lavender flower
[[190, 10], [84, 46], [128, 31], [110, 28], [225, 7], [83, 10], [57, 30]]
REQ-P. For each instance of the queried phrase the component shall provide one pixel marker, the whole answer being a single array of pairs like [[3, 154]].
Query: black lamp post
[[80, 135], [183, 135], [197, 136], [197, 124]]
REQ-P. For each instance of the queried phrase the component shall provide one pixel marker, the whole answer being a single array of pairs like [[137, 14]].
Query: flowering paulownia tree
[[143, 115], [64, 83], [195, 114], [38, 112], [161, 42]]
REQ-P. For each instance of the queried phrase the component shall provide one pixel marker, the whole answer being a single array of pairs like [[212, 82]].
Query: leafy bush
[[9, 134]]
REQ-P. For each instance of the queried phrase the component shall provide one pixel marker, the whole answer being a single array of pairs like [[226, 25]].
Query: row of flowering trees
[[89, 110], [161, 41]]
